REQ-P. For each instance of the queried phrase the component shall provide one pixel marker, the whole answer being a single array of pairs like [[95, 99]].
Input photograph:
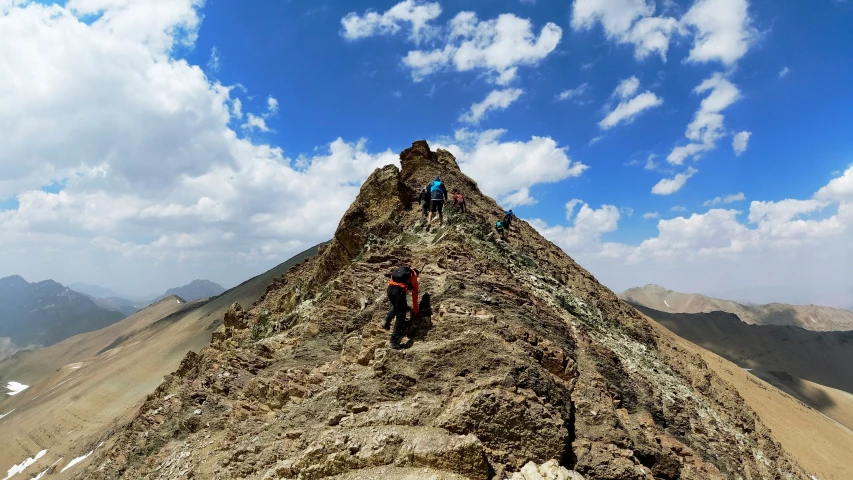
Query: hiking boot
[[386, 325], [397, 346]]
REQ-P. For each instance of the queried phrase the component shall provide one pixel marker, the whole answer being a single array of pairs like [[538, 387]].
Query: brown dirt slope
[[822, 446], [520, 356], [70, 411], [809, 317]]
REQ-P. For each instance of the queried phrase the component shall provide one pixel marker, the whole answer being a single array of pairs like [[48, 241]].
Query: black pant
[[399, 307]]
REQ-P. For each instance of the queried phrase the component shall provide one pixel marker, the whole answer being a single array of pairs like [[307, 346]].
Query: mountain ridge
[[520, 356], [809, 316]]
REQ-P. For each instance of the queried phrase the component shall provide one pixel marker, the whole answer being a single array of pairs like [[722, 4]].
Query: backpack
[[436, 185], [401, 275], [499, 225]]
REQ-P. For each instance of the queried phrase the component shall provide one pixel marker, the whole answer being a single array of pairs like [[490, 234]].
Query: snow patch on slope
[[19, 468], [667, 304], [4, 414], [79, 459], [15, 388]]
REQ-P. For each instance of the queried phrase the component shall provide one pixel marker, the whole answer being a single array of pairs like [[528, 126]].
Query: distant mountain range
[[45, 313], [809, 317], [110, 300], [194, 290]]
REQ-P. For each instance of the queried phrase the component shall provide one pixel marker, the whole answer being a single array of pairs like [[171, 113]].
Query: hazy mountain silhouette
[[43, 313]]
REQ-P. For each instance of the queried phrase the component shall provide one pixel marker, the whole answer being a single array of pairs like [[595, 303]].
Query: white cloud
[[588, 225], [627, 211], [678, 208], [417, 14], [253, 121], [272, 106], [707, 125], [627, 21], [155, 186], [574, 93], [627, 110], [736, 197], [596, 139], [784, 72], [650, 163], [627, 88], [495, 100], [740, 142], [668, 186], [213, 63], [651, 215], [723, 30], [788, 245], [504, 169], [498, 47], [237, 108]]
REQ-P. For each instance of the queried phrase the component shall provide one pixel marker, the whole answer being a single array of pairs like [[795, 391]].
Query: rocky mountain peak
[[521, 364]]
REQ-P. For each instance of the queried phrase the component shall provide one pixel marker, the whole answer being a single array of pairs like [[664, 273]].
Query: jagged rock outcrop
[[520, 356]]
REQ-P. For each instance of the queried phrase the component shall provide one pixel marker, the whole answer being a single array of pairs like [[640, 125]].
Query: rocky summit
[[521, 366]]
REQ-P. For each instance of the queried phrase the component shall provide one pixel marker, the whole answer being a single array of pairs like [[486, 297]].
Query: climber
[[499, 226], [438, 194], [458, 200], [403, 279], [507, 221], [424, 199]]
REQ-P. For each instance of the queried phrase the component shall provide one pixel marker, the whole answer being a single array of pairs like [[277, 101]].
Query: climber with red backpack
[[403, 280]]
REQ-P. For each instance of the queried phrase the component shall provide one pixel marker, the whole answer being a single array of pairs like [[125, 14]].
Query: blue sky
[[152, 157]]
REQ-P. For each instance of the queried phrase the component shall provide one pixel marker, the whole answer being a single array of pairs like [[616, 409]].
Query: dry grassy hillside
[[809, 317]]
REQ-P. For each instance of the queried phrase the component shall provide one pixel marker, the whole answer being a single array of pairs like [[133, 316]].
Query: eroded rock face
[[522, 366]]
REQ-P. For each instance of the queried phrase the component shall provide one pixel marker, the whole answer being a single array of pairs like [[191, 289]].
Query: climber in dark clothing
[[403, 280], [424, 199], [437, 194], [507, 221]]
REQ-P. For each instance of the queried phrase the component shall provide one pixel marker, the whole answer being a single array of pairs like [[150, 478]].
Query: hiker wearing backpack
[[507, 221], [499, 226], [458, 200], [424, 199], [437, 194], [403, 280]]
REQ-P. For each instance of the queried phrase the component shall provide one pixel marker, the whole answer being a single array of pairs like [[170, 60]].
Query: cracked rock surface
[[522, 366]]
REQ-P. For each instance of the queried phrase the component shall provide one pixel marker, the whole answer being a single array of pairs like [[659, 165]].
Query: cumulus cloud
[[414, 14], [495, 100], [723, 30], [668, 186], [784, 72], [507, 170], [736, 197], [498, 47], [740, 142], [707, 126], [628, 22], [651, 215], [588, 225], [804, 242], [154, 184], [678, 208], [628, 109], [255, 122]]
